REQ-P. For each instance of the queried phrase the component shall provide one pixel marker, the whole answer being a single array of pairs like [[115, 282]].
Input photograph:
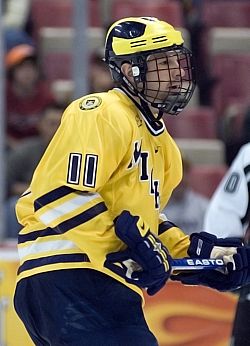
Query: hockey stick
[[197, 264], [182, 264]]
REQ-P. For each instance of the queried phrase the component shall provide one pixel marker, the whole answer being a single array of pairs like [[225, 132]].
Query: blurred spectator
[[192, 11], [235, 129], [16, 22], [23, 160], [100, 79], [186, 208], [27, 95]]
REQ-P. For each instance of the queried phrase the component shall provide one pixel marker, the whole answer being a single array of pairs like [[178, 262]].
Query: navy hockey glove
[[237, 275], [206, 245], [146, 262]]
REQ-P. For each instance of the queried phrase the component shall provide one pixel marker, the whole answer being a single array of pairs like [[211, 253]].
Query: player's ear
[[126, 69]]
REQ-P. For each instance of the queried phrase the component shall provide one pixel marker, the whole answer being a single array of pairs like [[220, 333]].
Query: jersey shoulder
[[103, 109], [98, 102]]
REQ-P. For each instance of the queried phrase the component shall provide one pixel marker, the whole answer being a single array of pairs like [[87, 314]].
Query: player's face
[[164, 76]]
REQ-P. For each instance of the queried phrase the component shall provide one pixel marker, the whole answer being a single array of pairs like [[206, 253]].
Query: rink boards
[[177, 315]]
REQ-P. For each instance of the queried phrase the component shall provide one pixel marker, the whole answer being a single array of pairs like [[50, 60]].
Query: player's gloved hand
[[206, 245], [237, 273], [146, 262]]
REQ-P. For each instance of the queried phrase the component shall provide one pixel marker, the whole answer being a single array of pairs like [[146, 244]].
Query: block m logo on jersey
[[141, 159], [136, 155]]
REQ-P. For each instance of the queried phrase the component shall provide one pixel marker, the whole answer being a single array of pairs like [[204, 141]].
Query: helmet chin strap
[[160, 114], [132, 92], [145, 105]]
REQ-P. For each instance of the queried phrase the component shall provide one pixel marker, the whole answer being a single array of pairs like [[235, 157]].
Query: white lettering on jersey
[[136, 155], [141, 158]]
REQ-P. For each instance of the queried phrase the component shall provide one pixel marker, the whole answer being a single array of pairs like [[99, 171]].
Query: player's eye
[[163, 62]]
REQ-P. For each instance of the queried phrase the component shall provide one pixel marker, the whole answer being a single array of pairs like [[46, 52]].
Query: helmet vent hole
[[159, 39], [138, 43]]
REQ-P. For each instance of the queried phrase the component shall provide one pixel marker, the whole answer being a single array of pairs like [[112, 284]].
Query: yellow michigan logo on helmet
[[157, 34]]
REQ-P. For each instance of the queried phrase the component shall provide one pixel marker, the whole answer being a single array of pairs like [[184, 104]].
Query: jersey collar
[[155, 127]]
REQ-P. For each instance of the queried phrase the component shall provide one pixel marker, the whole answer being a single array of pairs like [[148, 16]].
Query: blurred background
[[51, 53]]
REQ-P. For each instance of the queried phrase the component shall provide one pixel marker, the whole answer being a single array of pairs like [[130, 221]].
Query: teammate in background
[[93, 207], [228, 215]]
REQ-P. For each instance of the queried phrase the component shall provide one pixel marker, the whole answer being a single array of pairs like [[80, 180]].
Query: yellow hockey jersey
[[104, 158]]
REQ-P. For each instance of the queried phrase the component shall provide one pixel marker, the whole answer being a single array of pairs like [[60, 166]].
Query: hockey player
[[92, 209], [228, 215]]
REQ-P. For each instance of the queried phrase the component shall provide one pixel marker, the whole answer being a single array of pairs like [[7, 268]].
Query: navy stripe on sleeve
[[66, 225], [81, 218], [52, 196], [22, 238], [164, 226]]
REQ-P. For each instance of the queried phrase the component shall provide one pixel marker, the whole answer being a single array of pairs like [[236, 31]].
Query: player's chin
[[162, 96], [158, 95]]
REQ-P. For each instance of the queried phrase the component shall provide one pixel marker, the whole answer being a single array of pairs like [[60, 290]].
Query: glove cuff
[[201, 244]]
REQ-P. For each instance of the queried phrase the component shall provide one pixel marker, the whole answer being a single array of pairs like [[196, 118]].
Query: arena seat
[[169, 11], [225, 13], [205, 178], [63, 90], [229, 40], [232, 72], [58, 13], [56, 44], [202, 151], [61, 39], [57, 66], [197, 122]]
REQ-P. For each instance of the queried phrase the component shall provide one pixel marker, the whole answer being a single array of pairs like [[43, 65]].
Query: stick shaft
[[197, 264]]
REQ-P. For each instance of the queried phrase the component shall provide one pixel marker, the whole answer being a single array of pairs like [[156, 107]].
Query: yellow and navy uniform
[[104, 158]]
